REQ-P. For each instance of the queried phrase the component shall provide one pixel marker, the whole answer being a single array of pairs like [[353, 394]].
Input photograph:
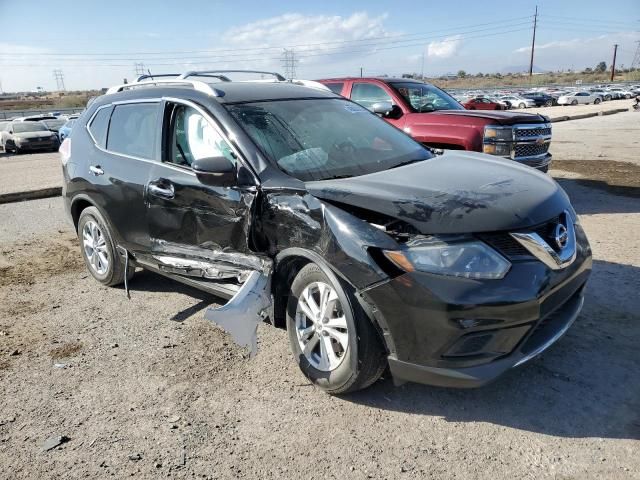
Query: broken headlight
[[467, 259]]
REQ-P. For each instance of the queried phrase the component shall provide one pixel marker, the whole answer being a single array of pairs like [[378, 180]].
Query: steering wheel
[[344, 148]]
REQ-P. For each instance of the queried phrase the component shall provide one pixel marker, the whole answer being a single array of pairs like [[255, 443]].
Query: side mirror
[[382, 108], [215, 171]]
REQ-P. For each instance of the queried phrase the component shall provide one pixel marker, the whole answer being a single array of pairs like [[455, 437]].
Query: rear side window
[[132, 130], [335, 87], [98, 126]]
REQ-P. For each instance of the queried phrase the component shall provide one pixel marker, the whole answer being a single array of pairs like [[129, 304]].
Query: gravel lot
[[147, 388]]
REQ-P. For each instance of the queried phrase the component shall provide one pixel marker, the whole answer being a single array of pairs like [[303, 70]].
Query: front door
[[197, 230]]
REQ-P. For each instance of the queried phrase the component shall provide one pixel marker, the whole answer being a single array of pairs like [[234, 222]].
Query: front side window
[[192, 137], [132, 130], [423, 97], [366, 94], [320, 139]]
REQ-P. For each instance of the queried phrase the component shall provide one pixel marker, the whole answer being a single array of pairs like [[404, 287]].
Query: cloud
[[309, 35], [445, 48]]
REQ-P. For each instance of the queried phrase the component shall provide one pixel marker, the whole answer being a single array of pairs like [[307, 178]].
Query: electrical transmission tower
[[59, 76], [289, 62], [139, 69], [635, 65]]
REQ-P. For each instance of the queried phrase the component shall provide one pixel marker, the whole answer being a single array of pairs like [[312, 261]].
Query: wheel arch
[[78, 204], [289, 262]]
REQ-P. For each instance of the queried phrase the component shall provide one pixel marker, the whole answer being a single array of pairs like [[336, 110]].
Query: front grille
[[532, 132], [531, 149], [508, 246]]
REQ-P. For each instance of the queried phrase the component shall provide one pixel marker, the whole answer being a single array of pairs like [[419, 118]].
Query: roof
[[234, 92], [380, 79]]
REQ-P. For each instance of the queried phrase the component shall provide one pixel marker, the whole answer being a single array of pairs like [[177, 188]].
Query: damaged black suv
[[302, 207]]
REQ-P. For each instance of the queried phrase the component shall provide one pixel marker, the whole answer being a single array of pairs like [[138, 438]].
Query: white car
[[576, 98], [622, 93], [518, 102]]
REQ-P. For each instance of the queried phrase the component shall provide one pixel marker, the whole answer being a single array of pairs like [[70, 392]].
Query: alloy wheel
[[321, 326], [95, 247]]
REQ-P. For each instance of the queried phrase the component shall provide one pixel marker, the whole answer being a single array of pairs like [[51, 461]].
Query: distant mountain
[[521, 69]]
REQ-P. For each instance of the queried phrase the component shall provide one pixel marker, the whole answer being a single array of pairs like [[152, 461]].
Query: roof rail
[[204, 73], [197, 85]]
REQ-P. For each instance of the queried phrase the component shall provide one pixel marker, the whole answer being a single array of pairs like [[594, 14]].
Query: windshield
[[23, 127], [53, 123], [320, 139], [423, 97]]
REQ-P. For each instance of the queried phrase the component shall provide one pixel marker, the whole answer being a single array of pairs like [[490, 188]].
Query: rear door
[[125, 135], [197, 231]]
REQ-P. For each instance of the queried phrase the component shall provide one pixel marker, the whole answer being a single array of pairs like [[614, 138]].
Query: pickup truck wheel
[[332, 340], [98, 249]]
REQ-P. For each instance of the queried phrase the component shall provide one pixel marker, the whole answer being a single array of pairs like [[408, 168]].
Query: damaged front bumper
[[456, 332]]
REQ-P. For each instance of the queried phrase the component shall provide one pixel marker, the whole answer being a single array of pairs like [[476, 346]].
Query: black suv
[[302, 207], [541, 99]]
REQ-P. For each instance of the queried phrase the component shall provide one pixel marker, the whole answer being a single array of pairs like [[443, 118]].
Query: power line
[[382, 39], [327, 52], [59, 76]]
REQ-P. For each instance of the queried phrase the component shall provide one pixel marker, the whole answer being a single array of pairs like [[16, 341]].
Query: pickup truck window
[[366, 94], [422, 97], [335, 87], [320, 139]]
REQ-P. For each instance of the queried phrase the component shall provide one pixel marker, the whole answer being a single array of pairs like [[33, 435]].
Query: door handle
[[96, 170], [164, 191]]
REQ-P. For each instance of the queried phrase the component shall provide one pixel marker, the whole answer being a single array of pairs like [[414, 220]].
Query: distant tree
[[462, 73], [480, 75], [601, 67], [408, 75], [588, 70]]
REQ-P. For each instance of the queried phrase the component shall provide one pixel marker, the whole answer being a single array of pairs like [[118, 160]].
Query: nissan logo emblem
[[561, 236]]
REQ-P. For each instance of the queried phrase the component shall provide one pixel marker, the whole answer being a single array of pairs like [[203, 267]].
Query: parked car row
[[34, 132]]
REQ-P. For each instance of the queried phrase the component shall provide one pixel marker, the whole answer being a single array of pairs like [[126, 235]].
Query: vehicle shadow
[[597, 196], [146, 281], [585, 386]]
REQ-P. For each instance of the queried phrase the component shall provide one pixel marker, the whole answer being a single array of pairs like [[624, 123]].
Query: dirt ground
[[146, 388]]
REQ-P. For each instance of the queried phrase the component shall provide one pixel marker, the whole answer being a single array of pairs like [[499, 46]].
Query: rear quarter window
[[99, 125], [335, 87], [132, 130]]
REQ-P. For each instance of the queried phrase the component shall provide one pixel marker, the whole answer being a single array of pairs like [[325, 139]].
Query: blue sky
[[97, 43]]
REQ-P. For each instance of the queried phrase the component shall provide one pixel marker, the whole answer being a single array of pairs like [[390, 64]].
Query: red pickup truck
[[437, 120]]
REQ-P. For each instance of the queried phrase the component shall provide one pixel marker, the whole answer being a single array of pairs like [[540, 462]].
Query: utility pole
[[360, 72], [422, 67], [289, 63], [613, 64], [533, 41], [59, 76]]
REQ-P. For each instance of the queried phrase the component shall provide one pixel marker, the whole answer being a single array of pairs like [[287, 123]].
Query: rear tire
[[358, 365], [98, 249]]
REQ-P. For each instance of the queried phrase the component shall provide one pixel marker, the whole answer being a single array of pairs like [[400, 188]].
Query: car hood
[[457, 192], [500, 116], [25, 135]]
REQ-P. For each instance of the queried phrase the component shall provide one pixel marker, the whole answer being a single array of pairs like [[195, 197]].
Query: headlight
[[504, 134], [467, 259]]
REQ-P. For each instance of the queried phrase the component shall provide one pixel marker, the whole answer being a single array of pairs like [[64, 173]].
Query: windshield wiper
[[408, 162]]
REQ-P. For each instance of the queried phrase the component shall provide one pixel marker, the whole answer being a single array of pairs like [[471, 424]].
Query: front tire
[[99, 250], [334, 343], [575, 102], [596, 101], [522, 105]]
